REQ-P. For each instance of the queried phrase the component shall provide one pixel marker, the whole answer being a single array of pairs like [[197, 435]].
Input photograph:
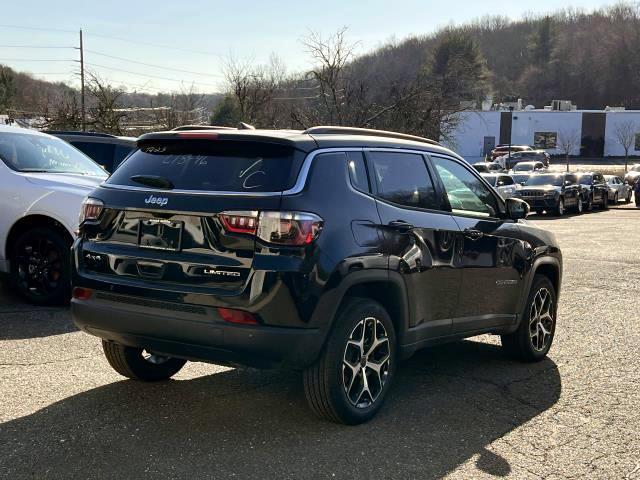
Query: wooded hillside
[[416, 85]]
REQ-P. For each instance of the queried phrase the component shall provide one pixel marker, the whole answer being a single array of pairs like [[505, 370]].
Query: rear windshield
[[213, 165]]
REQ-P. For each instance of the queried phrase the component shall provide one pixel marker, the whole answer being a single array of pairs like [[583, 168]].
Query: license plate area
[[159, 234]]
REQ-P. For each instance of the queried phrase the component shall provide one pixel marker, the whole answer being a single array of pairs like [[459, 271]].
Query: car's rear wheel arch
[[388, 293], [34, 221]]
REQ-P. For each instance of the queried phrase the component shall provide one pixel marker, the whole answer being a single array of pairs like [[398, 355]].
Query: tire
[[559, 209], [579, 206], [333, 385], [521, 344], [132, 363], [40, 267]]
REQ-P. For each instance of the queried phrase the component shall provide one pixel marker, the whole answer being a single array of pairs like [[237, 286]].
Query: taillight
[[80, 293], [281, 228], [90, 210], [289, 228], [240, 222], [237, 316]]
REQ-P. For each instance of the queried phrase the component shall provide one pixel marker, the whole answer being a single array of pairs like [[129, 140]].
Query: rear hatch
[[181, 213]]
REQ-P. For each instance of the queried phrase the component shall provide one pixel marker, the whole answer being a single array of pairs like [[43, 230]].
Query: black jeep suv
[[553, 193], [335, 251]]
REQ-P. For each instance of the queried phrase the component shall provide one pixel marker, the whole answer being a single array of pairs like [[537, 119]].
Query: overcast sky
[[203, 33]]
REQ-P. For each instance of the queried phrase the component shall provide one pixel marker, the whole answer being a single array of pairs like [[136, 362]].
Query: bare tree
[[567, 140], [625, 134], [253, 88], [105, 112], [330, 56], [62, 112]]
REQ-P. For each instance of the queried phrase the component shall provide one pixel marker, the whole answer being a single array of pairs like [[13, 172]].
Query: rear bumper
[[195, 333]]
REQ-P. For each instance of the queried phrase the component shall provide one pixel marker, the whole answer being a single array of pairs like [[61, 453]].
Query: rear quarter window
[[214, 165]]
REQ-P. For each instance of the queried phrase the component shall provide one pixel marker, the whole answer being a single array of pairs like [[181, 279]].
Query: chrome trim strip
[[297, 187]]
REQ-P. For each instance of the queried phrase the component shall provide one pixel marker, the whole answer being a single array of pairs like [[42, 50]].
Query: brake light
[[90, 209], [281, 228], [80, 293], [237, 316], [289, 228], [198, 135], [240, 222]]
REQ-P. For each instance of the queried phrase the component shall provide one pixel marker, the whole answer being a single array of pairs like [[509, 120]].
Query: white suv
[[43, 181]]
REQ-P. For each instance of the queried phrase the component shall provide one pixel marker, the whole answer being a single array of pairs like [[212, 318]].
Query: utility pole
[[84, 119]]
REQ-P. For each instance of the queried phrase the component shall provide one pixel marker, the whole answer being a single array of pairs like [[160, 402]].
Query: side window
[[358, 171], [571, 178], [403, 178], [101, 153], [466, 193]]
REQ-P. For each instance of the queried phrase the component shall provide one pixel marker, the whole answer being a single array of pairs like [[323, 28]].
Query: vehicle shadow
[[448, 404], [19, 319]]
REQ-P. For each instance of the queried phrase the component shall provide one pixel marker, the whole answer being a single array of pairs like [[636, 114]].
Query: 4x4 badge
[[160, 201]]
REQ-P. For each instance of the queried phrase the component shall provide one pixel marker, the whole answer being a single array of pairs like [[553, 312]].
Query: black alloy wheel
[[40, 266]]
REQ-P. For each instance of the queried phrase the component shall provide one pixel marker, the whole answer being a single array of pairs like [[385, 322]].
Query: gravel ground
[[456, 411]]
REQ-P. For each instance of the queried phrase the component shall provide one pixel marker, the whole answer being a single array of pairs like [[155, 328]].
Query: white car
[[503, 183], [43, 181], [618, 189]]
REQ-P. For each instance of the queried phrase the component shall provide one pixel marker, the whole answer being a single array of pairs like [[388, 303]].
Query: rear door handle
[[400, 226], [473, 234]]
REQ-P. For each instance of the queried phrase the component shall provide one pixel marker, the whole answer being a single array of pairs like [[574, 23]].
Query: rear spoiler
[[296, 140]]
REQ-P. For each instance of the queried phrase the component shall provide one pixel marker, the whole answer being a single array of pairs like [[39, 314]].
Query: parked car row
[[579, 192], [555, 193]]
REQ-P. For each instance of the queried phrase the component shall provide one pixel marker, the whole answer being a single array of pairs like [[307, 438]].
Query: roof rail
[[329, 130], [73, 132], [200, 127]]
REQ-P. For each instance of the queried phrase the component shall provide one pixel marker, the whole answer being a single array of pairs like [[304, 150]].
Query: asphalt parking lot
[[456, 411]]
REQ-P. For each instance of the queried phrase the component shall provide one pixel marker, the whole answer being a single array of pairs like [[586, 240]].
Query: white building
[[591, 133]]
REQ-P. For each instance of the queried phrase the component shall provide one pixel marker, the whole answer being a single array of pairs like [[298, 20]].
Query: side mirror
[[516, 208], [500, 184]]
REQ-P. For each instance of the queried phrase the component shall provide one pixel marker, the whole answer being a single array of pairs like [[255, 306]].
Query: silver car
[[503, 183], [618, 189]]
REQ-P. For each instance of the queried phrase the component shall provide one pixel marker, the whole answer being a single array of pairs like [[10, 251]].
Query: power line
[[109, 37], [150, 76], [152, 65], [149, 44], [20, 27], [35, 60], [35, 46]]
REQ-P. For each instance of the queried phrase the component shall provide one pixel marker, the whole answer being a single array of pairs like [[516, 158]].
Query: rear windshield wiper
[[152, 181]]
